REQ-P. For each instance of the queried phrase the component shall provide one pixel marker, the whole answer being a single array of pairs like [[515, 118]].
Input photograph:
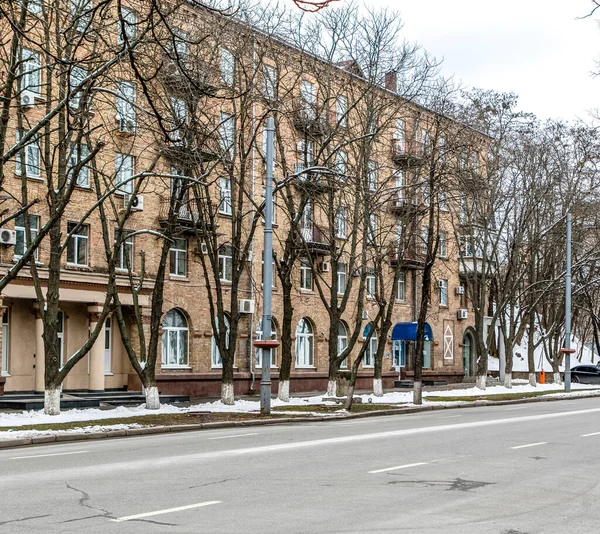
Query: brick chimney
[[391, 81]]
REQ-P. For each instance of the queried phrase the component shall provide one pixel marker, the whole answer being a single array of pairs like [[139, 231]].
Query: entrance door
[[467, 355]]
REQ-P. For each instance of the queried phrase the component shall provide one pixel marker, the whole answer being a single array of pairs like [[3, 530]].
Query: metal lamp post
[[266, 344], [567, 350]]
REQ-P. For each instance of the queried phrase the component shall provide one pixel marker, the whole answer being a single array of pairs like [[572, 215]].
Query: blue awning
[[408, 332]]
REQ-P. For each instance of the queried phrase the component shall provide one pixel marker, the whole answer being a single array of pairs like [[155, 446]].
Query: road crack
[[83, 501]]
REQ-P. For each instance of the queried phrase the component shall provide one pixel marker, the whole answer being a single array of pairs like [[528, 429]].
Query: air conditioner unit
[[27, 98], [365, 315], [137, 202], [126, 125], [441, 284], [324, 267], [460, 290], [462, 315], [8, 237], [246, 306], [399, 203], [202, 248]]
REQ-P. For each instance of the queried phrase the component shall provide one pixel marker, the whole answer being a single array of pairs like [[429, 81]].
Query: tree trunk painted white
[[508, 380], [532, 380], [331, 388], [52, 401], [502, 358], [418, 393], [152, 398], [557, 379], [283, 392], [227, 396], [480, 383], [378, 387]]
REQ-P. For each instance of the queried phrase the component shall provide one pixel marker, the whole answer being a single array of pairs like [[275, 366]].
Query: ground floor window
[[216, 359], [342, 343], [427, 355], [175, 339], [304, 344], [371, 350], [398, 353]]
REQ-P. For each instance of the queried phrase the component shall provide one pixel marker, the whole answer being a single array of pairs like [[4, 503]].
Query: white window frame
[[77, 153], [81, 241], [225, 263], [306, 277], [342, 277], [130, 20], [443, 287], [308, 96], [180, 118], [76, 77], [369, 356], [341, 163], [125, 250], [342, 343], [225, 207], [216, 360], [21, 234], [372, 229], [269, 82], [182, 343], [371, 286], [31, 153], [372, 176], [341, 110], [398, 354], [400, 293], [443, 245], [227, 66], [178, 256], [340, 223], [125, 104], [34, 6], [227, 133], [304, 346], [124, 170], [81, 10], [31, 71]]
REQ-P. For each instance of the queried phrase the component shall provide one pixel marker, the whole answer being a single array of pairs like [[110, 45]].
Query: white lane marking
[[592, 434], [397, 467], [530, 445], [236, 435], [46, 455], [166, 511]]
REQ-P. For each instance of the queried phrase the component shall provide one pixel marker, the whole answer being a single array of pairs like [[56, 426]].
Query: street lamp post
[[567, 350], [266, 344]]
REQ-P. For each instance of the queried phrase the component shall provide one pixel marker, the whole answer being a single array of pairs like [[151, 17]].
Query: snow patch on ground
[[15, 434]]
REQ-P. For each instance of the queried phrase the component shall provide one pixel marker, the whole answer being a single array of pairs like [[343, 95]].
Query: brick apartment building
[[314, 101]]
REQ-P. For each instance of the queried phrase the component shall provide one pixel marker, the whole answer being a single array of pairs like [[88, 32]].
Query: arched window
[[216, 355], [304, 344], [342, 343], [259, 335], [369, 357], [175, 339]]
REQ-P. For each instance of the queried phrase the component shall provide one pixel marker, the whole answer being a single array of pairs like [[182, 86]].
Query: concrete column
[[96, 378], [40, 360]]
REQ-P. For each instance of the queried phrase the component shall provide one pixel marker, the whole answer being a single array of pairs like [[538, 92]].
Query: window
[[129, 22], [178, 257], [475, 161], [180, 116], [341, 278], [399, 137], [400, 184], [341, 163], [372, 229], [424, 239], [443, 286], [108, 347], [272, 270], [34, 6], [181, 40], [340, 222], [22, 242], [306, 280], [31, 71], [342, 343], [401, 286], [76, 78], [372, 176], [227, 67], [259, 335], [442, 150], [443, 200], [425, 141], [399, 233], [175, 339], [31, 152], [81, 13], [226, 263], [225, 195], [398, 354], [216, 360], [124, 166], [443, 245], [371, 350], [77, 247], [371, 285], [341, 111], [304, 344], [305, 148], [226, 133], [5, 344], [125, 103], [77, 153], [427, 354], [308, 98], [269, 82]]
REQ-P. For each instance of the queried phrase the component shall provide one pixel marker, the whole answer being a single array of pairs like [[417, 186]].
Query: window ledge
[[77, 267], [175, 367], [108, 373], [29, 177], [307, 291], [305, 367], [5, 374], [179, 278], [17, 258], [222, 214]]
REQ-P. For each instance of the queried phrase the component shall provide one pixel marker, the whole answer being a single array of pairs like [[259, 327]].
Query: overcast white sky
[[535, 48]]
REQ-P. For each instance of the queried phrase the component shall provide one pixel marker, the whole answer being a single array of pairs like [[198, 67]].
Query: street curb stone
[[145, 431]]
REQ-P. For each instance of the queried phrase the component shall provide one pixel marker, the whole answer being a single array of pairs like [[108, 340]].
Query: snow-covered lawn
[[37, 417]]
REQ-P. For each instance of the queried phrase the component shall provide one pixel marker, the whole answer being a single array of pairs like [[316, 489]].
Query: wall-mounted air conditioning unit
[[202, 248], [441, 284], [8, 237], [462, 315], [137, 202], [27, 98], [246, 306], [324, 267], [460, 290]]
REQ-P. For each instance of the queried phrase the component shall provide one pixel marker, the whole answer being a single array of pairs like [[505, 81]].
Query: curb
[[62, 438]]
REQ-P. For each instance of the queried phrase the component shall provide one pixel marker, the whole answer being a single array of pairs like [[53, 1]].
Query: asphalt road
[[530, 468]]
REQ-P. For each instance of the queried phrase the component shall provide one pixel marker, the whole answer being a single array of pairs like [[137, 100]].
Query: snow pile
[[15, 434]]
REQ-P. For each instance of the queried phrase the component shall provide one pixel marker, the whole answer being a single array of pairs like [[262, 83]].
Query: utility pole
[[567, 350], [266, 344]]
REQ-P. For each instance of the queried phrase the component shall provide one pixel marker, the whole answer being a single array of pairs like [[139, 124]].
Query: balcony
[[315, 182], [308, 120], [187, 219], [407, 154], [403, 206], [190, 77], [191, 152], [314, 240], [408, 258]]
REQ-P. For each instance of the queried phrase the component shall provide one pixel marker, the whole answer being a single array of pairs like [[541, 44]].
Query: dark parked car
[[585, 374]]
